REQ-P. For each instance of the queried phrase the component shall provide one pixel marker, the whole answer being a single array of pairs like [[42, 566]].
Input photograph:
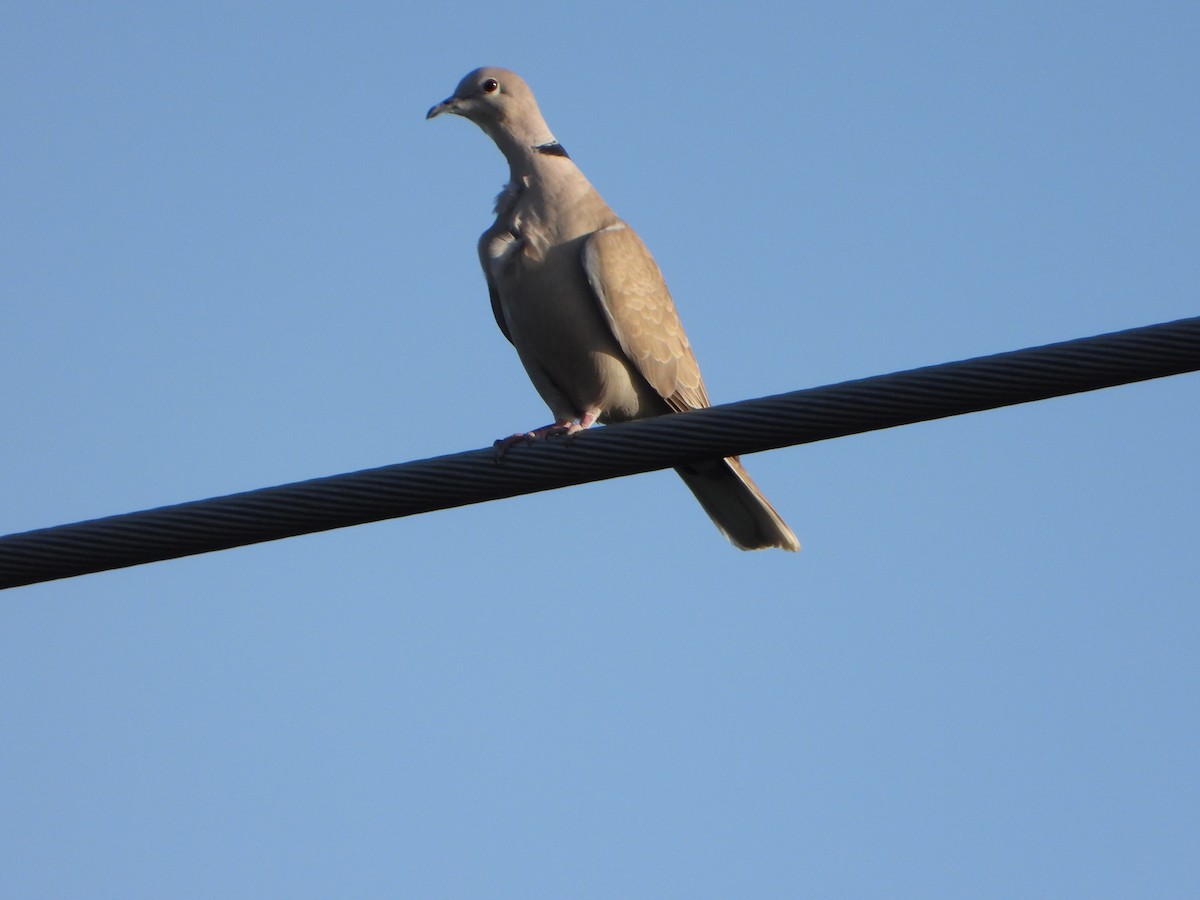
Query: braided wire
[[798, 417]]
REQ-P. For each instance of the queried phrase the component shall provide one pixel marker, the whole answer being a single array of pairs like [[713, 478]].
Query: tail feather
[[736, 505]]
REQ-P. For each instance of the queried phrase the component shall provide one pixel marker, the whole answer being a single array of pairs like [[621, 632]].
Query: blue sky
[[236, 255]]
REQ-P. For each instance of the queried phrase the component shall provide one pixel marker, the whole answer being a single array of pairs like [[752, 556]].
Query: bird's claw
[[564, 429]]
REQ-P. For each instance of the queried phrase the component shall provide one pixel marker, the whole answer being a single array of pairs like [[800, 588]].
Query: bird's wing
[[634, 299], [486, 249]]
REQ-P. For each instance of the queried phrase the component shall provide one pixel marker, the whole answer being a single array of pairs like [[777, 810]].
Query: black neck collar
[[554, 148]]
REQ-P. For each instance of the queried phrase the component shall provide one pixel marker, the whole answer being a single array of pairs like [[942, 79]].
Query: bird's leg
[[528, 437], [572, 428], [586, 421], [566, 427]]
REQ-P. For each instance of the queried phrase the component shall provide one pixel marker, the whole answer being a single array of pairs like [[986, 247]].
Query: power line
[[799, 417]]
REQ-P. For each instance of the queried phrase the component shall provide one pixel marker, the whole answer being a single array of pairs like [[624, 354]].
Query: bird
[[579, 296]]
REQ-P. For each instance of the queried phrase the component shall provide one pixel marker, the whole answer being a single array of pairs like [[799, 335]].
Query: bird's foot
[[557, 429], [502, 446]]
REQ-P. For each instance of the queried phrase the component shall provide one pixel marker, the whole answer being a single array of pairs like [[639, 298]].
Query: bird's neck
[[550, 173], [525, 148]]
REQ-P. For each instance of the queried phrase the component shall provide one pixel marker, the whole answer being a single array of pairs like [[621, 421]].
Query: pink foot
[[528, 437], [567, 429]]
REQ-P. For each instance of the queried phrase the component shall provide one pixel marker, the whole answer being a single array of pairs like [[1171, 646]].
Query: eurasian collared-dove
[[577, 293]]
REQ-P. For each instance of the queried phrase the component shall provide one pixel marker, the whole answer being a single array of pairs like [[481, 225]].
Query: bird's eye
[[491, 86]]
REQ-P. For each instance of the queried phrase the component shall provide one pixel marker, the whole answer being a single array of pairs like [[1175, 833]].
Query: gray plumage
[[583, 302]]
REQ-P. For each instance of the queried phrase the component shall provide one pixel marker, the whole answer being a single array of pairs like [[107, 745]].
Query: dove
[[579, 296]]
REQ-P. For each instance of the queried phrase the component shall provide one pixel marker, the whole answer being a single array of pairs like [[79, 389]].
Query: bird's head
[[487, 95], [499, 102]]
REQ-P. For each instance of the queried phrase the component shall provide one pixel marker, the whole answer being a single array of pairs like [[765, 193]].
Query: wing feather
[[485, 260], [634, 299]]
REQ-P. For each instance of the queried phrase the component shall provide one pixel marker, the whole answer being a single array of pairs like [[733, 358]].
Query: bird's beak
[[449, 105]]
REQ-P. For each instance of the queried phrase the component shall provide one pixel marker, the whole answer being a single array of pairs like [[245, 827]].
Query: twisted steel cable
[[798, 417]]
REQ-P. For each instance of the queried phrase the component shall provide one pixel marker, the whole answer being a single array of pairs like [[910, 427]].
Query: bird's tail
[[736, 505]]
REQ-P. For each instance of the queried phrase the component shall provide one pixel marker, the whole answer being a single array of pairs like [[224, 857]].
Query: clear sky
[[235, 255]]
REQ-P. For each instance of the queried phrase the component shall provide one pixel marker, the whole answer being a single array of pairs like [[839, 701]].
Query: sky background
[[234, 254]]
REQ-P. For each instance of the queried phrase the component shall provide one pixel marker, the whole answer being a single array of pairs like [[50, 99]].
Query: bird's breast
[[556, 324]]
